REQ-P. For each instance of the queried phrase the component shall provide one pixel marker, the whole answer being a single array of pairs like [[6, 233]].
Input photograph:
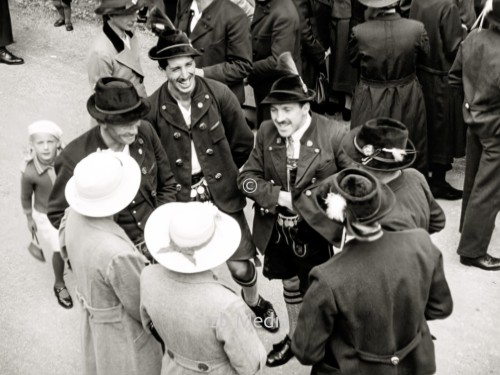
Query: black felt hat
[[380, 144], [289, 89], [116, 102], [117, 7], [172, 43]]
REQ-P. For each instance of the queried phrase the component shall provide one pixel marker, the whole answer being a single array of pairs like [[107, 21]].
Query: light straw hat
[[103, 184], [191, 237]]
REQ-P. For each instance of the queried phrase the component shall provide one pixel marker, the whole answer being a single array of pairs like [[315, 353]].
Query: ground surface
[[39, 337]]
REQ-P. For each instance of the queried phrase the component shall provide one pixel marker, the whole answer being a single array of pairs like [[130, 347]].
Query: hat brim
[[121, 197], [291, 97], [122, 118], [352, 152], [218, 250], [103, 10], [183, 51]]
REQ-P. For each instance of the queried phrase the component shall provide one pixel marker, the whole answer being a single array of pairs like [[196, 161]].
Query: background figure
[[37, 179], [6, 38], [441, 19], [387, 49], [107, 267], [221, 32], [476, 70], [205, 326], [63, 7]]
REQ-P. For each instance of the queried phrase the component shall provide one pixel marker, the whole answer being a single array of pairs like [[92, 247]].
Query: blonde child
[[37, 179]]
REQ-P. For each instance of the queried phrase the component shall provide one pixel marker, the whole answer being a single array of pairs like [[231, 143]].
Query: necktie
[[289, 148]]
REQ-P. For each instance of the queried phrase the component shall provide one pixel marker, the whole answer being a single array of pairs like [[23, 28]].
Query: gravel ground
[[39, 337]]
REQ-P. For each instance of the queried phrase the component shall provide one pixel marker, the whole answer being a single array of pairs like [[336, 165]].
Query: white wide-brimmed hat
[[191, 237], [103, 184]]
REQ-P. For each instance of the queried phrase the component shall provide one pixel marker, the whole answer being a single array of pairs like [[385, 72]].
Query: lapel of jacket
[[170, 111], [137, 150], [200, 102], [308, 151], [206, 22], [130, 58], [261, 10], [277, 150]]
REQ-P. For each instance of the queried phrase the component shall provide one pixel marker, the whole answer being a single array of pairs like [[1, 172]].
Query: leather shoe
[[264, 310], [69, 27], [7, 57], [485, 262], [281, 353], [446, 191], [63, 297], [59, 22]]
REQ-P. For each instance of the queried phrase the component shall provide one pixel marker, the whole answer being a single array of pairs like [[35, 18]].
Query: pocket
[[216, 132], [326, 169]]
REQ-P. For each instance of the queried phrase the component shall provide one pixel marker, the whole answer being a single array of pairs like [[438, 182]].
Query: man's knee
[[242, 270]]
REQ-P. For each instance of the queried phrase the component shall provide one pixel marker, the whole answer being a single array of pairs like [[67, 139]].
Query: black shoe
[[264, 310], [281, 353], [446, 191], [485, 262], [63, 297], [59, 22], [69, 27], [7, 57]]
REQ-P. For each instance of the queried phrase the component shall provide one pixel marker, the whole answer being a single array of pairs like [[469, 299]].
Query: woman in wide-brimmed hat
[[205, 326]]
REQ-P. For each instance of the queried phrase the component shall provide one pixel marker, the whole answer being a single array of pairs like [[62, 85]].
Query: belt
[[390, 83], [287, 221], [200, 191], [196, 178], [107, 315], [198, 366]]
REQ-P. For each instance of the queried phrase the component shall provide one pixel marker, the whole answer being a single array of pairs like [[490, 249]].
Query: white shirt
[[298, 135], [196, 15], [126, 41], [195, 164]]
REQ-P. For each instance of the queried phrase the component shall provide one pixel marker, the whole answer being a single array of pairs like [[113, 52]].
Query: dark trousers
[[481, 199], [6, 37]]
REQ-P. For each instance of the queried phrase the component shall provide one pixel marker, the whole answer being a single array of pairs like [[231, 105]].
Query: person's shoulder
[[215, 86]]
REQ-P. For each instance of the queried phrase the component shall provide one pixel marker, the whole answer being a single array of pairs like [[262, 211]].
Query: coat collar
[[207, 20], [114, 38], [388, 17], [205, 277]]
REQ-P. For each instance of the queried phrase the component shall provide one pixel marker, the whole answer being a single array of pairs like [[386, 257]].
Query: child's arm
[[26, 201]]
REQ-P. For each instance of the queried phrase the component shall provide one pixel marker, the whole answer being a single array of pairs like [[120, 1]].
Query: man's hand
[[285, 200]]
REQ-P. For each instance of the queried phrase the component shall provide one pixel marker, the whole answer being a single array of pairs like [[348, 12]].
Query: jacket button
[[270, 148], [202, 49], [218, 176], [200, 105], [210, 151], [202, 367], [395, 360], [467, 106], [316, 150], [140, 140], [177, 135], [144, 170], [178, 162], [139, 223], [140, 151], [153, 193], [313, 180], [203, 126], [308, 193], [178, 187], [164, 107], [266, 211], [133, 202], [134, 212]]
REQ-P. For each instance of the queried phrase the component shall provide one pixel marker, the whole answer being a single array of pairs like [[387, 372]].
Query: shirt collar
[[40, 167], [300, 132]]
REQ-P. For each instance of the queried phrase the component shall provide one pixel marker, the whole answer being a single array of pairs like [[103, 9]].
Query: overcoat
[[275, 29], [222, 35], [107, 270], [109, 57], [206, 327], [367, 308], [441, 19], [387, 50], [264, 174], [157, 182], [6, 36], [220, 134]]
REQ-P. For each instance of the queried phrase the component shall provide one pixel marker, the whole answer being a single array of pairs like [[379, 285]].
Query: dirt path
[[39, 337]]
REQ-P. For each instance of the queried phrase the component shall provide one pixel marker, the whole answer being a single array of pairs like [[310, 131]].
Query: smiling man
[[294, 150], [204, 132]]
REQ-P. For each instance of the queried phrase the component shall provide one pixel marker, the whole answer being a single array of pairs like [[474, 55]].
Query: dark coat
[[275, 29], [441, 19], [157, 183], [373, 300], [221, 137], [320, 157], [6, 36], [387, 50], [222, 35]]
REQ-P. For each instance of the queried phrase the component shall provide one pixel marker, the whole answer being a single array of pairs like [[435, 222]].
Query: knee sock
[[293, 302], [249, 287]]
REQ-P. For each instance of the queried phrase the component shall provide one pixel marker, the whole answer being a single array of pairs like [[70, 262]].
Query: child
[[36, 182], [64, 9]]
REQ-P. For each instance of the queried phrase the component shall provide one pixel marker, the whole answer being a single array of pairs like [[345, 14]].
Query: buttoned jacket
[[222, 35], [157, 182], [265, 174], [108, 57], [221, 137]]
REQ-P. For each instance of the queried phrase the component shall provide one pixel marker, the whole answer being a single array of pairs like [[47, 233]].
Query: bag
[[35, 249], [321, 95]]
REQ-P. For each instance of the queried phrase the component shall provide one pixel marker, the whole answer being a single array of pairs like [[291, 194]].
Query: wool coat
[[265, 174], [367, 308], [109, 57], [157, 182], [222, 35], [6, 36], [441, 19], [205, 326], [476, 70], [107, 270], [221, 137], [386, 50]]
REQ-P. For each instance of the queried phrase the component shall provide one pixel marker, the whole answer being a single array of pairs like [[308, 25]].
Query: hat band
[[189, 251], [376, 152], [174, 46], [118, 111]]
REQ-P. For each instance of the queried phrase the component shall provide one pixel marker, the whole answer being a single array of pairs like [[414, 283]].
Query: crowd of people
[[146, 203]]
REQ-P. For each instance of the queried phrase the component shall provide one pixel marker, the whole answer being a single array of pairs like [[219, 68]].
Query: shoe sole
[[496, 268]]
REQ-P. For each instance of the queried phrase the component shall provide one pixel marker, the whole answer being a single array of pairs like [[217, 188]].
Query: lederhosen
[[294, 248]]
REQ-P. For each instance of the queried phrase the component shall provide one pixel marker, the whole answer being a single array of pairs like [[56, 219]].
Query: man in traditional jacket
[[203, 130], [441, 19], [107, 267], [220, 30], [476, 69], [367, 308]]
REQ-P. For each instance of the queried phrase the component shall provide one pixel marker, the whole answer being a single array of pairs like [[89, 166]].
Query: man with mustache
[[204, 132]]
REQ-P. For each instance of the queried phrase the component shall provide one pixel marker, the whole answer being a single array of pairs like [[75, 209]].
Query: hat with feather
[[357, 199], [290, 88]]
